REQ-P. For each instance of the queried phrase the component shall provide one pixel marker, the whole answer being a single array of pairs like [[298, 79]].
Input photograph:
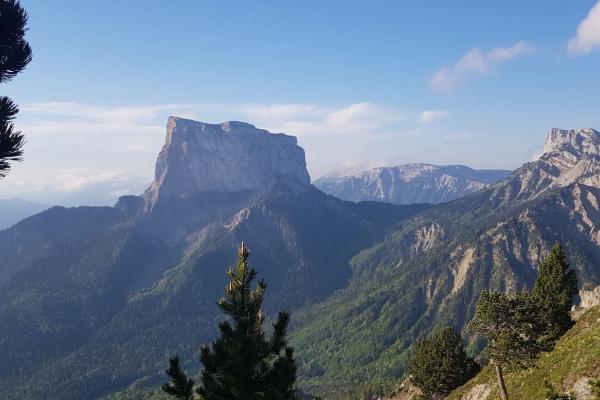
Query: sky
[[361, 84]]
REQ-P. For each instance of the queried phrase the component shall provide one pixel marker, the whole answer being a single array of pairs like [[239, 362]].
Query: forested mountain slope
[[431, 270]]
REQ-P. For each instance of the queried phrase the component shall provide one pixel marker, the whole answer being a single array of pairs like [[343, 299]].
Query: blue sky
[[360, 83]]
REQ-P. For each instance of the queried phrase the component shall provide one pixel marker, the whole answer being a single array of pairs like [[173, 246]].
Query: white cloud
[[588, 34], [476, 63], [76, 180], [432, 115], [305, 120]]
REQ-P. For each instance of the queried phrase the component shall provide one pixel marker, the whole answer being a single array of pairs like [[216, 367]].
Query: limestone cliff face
[[574, 155], [228, 157], [574, 141]]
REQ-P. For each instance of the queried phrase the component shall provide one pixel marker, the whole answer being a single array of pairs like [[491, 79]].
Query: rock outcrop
[[578, 142], [571, 156], [409, 183], [228, 157]]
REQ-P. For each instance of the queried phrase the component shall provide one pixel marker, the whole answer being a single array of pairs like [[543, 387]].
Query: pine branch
[[181, 387], [11, 146], [15, 52]]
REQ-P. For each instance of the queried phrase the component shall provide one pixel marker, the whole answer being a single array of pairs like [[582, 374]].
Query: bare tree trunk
[[501, 384]]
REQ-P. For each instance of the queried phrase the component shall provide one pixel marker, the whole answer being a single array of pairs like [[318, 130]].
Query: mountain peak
[[228, 157], [584, 141]]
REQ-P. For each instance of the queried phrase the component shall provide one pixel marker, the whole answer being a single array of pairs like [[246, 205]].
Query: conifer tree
[[243, 363], [15, 54], [553, 293], [439, 364], [509, 324]]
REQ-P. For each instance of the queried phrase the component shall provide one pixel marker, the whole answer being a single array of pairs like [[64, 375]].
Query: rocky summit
[[409, 183], [578, 142], [229, 157]]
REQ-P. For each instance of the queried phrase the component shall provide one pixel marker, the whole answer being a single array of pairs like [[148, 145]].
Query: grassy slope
[[576, 355]]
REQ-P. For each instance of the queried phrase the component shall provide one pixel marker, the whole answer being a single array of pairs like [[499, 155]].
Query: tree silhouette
[[15, 54]]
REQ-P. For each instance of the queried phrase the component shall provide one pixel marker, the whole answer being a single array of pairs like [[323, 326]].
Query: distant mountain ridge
[[13, 210], [409, 183]]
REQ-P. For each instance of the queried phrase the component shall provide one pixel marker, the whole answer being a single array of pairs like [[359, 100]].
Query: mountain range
[[94, 299], [409, 183], [431, 269]]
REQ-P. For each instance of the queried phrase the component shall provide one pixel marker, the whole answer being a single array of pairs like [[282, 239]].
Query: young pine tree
[[15, 54], [439, 364], [243, 363], [510, 326], [553, 293]]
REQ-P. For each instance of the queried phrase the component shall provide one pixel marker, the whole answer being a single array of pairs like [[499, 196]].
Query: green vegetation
[[439, 364], [15, 54], [104, 291], [595, 388], [553, 293], [508, 325], [517, 328], [407, 285], [181, 387], [575, 357], [242, 363]]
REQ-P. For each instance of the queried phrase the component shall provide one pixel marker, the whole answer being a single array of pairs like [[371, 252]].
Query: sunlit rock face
[[572, 156], [575, 141], [228, 157], [409, 183]]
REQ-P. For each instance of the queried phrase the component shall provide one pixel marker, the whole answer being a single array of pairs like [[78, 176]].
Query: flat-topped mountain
[[409, 183], [228, 157]]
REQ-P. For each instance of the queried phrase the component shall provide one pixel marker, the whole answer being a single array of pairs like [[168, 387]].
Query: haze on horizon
[[359, 84]]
